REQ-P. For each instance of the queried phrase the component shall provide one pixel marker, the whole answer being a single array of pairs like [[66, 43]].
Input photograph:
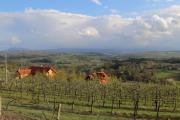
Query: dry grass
[[13, 116]]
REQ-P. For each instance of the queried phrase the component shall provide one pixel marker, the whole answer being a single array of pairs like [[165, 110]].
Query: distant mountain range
[[82, 50], [132, 52], [15, 49]]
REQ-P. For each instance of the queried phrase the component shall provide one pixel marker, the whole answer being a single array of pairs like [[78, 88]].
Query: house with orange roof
[[101, 76], [33, 70]]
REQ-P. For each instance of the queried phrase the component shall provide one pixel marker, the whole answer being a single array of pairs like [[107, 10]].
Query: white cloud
[[160, 0], [159, 23], [90, 32], [15, 40], [98, 2], [114, 11], [54, 29]]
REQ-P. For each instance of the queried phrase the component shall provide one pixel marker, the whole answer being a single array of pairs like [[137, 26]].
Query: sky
[[90, 24]]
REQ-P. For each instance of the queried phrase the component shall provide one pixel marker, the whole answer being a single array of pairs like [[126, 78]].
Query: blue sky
[[87, 7], [100, 24]]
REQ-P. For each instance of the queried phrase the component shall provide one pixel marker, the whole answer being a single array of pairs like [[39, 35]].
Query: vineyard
[[137, 89], [122, 99]]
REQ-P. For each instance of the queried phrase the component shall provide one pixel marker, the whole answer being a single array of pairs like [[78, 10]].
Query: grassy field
[[42, 114], [168, 75]]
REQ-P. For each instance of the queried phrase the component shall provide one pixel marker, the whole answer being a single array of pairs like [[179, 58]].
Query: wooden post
[[59, 112], [6, 75], [0, 106]]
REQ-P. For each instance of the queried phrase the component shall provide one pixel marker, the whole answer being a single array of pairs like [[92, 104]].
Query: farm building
[[102, 76], [33, 70]]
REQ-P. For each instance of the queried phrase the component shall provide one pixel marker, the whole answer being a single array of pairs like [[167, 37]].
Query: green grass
[[81, 112], [162, 75], [168, 74], [38, 114]]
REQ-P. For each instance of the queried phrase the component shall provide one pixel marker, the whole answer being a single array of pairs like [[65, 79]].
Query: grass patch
[[168, 74]]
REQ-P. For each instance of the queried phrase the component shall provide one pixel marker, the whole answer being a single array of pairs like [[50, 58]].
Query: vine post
[[0, 106], [59, 112]]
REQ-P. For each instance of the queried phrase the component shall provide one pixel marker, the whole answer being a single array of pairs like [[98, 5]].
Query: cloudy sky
[[92, 24]]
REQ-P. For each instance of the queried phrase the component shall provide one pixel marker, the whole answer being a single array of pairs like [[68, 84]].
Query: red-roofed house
[[33, 70], [102, 76]]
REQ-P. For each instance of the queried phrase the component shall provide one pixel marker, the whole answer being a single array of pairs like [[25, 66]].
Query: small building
[[33, 70], [101, 76]]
